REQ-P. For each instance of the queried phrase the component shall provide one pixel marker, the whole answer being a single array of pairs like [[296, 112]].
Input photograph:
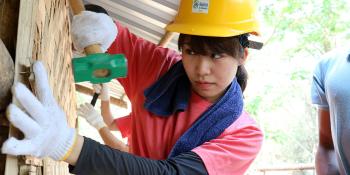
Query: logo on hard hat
[[200, 6]]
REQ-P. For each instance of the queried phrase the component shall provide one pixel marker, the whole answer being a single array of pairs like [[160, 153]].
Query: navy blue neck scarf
[[171, 93]]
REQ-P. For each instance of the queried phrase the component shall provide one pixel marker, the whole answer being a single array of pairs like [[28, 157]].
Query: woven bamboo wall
[[43, 34], [52, 44]]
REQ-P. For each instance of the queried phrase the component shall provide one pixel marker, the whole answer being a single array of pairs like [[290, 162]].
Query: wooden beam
[[168, 36], [23, 55], [88, 91]]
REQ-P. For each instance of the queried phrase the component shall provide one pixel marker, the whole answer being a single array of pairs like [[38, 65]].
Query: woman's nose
[[203, 66]]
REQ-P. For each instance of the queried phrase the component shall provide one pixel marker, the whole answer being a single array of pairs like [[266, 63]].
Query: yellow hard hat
[[220, 18]]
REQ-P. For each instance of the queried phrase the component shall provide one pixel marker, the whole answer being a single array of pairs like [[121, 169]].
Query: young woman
[[187, 108]]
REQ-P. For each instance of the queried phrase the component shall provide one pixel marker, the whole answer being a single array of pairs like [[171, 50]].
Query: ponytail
[[242, 77]]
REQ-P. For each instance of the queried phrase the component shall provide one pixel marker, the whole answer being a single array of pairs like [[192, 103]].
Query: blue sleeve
[[318, 93], [97, 159]]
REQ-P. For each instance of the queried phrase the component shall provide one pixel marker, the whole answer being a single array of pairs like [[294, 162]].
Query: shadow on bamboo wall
[[9, 10]]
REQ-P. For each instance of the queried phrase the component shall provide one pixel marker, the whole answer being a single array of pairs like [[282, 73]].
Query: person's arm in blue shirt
[[326, 163]]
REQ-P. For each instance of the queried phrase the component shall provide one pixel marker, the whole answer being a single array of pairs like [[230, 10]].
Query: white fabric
[[93, 28], [103, 90], [330, 90], [43, 123], [88, 112]]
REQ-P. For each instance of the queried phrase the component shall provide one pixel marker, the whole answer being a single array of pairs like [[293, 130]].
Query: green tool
[[96, 67], [99, 68]]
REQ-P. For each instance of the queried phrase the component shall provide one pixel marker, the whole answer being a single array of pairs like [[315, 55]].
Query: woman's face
[[210, 74]]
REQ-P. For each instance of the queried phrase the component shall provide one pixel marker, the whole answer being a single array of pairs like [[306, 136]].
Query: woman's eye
[[190, 52], [216, 55]]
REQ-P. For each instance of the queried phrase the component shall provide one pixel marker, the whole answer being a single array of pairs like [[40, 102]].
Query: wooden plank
[[25, 28], [43, 34]]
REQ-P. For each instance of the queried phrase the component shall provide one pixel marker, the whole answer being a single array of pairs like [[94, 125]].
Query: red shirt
[[153, 137]]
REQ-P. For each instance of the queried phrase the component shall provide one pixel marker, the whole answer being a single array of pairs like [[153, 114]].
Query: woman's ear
[[245, 57]]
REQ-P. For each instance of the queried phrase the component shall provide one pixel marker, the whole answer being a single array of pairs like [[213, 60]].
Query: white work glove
[[93, 28], [88, 112], [103, 90], [42, 121]]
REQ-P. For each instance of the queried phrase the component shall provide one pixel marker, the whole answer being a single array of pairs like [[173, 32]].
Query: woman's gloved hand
[[103, 90], [93, 28], [88, 112], [42, 121]]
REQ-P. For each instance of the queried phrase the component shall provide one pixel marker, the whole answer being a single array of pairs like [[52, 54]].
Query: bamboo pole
[[164, 41]]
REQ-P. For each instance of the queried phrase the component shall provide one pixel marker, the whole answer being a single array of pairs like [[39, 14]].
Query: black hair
[[233, 46], [95, 8]]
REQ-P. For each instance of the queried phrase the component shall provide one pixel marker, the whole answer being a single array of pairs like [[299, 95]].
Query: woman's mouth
[[203, 85]]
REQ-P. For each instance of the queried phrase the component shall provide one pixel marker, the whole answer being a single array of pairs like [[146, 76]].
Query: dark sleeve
[[96, 158]]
